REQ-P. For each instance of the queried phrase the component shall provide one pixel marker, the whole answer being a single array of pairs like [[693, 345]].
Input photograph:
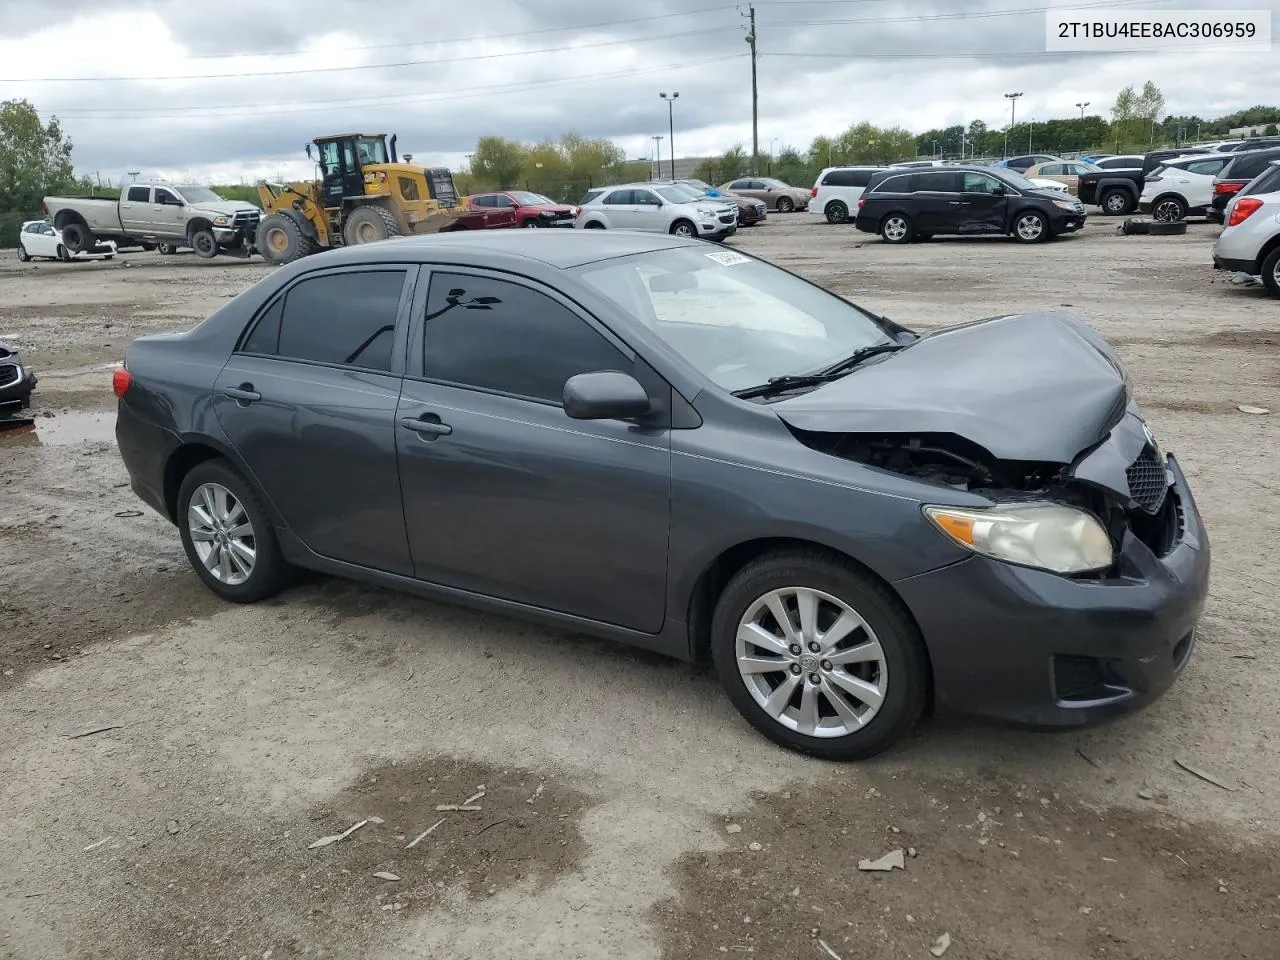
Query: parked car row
[[1250, 240]]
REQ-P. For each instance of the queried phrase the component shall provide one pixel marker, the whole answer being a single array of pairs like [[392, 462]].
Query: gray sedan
[[685, 448]]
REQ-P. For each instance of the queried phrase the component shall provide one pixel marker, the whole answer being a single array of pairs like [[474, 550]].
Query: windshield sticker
[[727, 258]]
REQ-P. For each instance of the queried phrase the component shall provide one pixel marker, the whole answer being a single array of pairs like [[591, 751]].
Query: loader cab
[[342, 160]]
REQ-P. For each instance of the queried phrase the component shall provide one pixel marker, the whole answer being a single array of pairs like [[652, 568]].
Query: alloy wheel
[[1115, 203], [221, 533], [683, 230], [811, 662], [1030, 227], [1167, 211], [895, 228]]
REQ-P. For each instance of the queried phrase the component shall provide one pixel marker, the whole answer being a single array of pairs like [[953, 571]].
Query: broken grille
[[1148, 481]]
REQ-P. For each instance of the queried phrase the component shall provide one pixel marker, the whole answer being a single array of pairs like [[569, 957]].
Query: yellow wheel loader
[[363, 195]]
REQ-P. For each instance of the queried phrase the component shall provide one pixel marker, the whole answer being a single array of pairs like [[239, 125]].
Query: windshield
[[528, 199], [739, 321], [678, 194], [199, 195]]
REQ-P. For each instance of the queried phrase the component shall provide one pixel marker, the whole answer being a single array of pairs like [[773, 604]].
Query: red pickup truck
[[531, 209]]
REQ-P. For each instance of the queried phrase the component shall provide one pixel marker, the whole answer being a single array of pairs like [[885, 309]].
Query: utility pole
[[755, 98], [671, 129], [1013, 104]]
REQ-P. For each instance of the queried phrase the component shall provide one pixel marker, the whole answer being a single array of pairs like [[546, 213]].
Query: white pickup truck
[[165, 215]]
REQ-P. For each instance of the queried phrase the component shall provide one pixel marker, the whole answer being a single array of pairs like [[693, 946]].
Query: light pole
[[1013, 109], [1082, 106], [1030, 130], [671, 127], [657, 157], [772, 141]]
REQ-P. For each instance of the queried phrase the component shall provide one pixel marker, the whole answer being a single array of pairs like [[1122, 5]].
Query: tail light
[[861, 202], [1225, 186], [813, 192], [1242, 209], [121, 381]]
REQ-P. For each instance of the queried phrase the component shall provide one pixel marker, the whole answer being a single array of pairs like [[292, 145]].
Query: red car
[[532, 209]]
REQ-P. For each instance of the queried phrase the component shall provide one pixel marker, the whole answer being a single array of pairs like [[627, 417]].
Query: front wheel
[[63, 255], [1271, 272], [1030, 227], [683, 228], [1168, 210], [531, 224], [205, 244], [227, 536], [896, 228], [22, 253], [1117, 203], [818, 656], [837, 212], [786, 204]]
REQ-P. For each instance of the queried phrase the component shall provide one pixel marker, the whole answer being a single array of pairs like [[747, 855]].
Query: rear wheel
[[837, 212], [1271, 272], [76, 237], [1168, 210], [819, 656], [531, 224], [594, 225], [280, 240], [1030, 227], [896, 228], [227, 536], [369, 225], [786, 204], [166, 249], [1117, 203], [683, 228], [22, 253], [62, 254], [205, 244]]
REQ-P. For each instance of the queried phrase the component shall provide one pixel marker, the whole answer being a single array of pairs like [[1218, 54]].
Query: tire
[[785, 205], [268, 572], [204, 243], [1136, 225], [76, 237], [531, 224], [1117, 203], [369, 225], [852, 728], [1159, 229], [63, 255], [1271, 272], [1030, 226], [684, 228], [1168, 209], [837, 211], [280, 240], [22, 254], [593, 225], [166, 249], [896, 228]]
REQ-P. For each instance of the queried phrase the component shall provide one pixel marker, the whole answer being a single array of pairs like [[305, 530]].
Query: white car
[[658, 208], [38, 238], [1250, 241], [836, 191], [1182, 186], [1044, 183]]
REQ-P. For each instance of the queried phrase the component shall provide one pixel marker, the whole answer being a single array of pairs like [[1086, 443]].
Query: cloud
[[249, 83]]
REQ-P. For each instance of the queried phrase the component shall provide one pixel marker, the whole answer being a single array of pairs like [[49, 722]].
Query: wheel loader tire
[[369, 225], [1167, 229], [280, 240], [77, 238]]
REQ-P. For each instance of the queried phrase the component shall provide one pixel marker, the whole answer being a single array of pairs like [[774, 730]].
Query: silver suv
[[658, 208], [1250, 241]]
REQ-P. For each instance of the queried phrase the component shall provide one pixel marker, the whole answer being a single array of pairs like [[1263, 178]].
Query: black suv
[[903, 205], [1240, 169]]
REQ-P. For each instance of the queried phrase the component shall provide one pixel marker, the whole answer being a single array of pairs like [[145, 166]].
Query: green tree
[[1270, 130], [35, 157], [498, 161], [794, 168]]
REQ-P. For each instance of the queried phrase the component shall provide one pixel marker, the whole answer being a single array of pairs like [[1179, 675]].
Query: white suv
[[1182, 186], [836, 191], [1250, 241], [658, 208]]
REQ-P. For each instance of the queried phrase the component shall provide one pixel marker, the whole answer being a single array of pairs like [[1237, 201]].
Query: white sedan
[[1046, 184], [39, 239]]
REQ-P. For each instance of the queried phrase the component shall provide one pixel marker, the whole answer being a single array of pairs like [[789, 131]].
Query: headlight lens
[[1044, 535], [706, 212], [220, 221], [1065, 204]]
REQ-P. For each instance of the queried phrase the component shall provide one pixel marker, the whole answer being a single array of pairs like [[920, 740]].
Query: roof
[[562, 248], [340, 136]]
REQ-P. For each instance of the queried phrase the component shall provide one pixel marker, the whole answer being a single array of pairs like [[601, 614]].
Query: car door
[[168, 216], [1199, 174], [135, 210], [40, 240], [936, 204], [983, 204], [308, 402], [650, 211], [621, 209], [504, 494]]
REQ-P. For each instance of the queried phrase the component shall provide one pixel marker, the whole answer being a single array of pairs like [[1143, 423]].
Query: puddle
[[64, 430]]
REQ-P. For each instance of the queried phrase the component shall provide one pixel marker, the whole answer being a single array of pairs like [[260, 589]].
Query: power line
[[455, 94], [369, 66]]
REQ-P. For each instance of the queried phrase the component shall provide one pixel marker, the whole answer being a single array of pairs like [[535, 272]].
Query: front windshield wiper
[[834, 372]]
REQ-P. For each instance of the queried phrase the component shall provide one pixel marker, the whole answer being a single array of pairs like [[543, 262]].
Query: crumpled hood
[[227, 208], [1039, 386]]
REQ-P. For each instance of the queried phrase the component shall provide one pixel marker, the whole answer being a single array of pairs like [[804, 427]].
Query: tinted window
[[482, 202], [940, 182], [847, 178], [265, 336], [503, 202], [740, 185], [756, 185], [347, 318], [164, 196], [1120, 163], [1206, 168], [138, 194], [620, 197], [980, 183], [897, 184], [1267, 182], [1249, 165], [505, 337], [589, 196]]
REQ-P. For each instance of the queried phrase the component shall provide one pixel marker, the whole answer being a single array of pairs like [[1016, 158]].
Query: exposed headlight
[[1044, 535]]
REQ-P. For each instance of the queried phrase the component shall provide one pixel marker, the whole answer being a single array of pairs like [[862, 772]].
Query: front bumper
[[1071, 224], [1029, 648], [16, 381]]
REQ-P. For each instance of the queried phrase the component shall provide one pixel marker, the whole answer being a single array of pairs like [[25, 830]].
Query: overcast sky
[[230, 90]]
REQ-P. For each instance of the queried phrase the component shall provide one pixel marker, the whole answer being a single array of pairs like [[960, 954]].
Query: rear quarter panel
[[102, 216]]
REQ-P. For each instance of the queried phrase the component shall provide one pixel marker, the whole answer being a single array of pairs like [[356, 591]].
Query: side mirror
[[604, 395], [997, 191]]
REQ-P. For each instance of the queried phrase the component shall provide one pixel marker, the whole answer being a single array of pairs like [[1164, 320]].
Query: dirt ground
[[625, 810]]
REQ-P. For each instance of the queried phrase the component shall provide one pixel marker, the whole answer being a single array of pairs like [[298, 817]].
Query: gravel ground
[[626, 810]]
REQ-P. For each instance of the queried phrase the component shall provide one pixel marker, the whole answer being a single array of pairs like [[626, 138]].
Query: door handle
[[428, 425], [242, 394]]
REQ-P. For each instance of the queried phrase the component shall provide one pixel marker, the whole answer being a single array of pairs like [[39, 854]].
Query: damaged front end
[[16, 383]]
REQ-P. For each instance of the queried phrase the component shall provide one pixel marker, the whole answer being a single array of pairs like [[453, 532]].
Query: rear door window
[[620, 198], [348, 319], [1266, 182], [1120, 163], [847, 178], [1206, 168], [1249, 165], [138, 194], [935, 181]]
